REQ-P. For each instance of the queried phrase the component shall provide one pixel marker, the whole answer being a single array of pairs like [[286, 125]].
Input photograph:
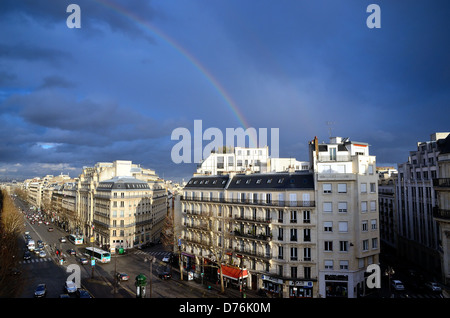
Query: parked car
[[40, 291], [434, 287], [122, 276], [70, 287], [165, 275], [398, 285]]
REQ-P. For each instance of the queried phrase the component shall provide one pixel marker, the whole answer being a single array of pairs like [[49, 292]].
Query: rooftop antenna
[[330, 124]]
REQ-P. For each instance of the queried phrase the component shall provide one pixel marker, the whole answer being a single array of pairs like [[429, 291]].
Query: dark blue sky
[[117, 87]]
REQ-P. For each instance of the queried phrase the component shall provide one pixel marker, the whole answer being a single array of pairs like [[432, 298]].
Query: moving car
[[398, 285], [26, 255], [70, 287], [71, 251], [165, 275], [83, 260], [40, 291], [122, 276], [42, 253], [434, 287], [62, 240]]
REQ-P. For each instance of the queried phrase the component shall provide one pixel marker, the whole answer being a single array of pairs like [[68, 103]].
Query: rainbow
[[214, 82]]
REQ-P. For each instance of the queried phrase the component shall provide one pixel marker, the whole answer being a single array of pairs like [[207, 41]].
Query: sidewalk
[[212, 290]]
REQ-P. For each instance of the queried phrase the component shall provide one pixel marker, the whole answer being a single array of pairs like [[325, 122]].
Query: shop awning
[[233, 272]]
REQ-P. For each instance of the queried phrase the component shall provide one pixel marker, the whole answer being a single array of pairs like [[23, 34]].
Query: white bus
[[75, 239], [98, 254]]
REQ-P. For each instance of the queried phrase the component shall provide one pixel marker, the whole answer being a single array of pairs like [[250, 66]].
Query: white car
[[42, 253], [70, 287], [62, 240], [433, 287]]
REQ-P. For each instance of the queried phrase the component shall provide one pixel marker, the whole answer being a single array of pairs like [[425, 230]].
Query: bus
[[98, 254], [75, 239]]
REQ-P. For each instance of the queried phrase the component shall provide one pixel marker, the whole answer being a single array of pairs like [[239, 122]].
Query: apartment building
[[121, 218], [295, 233], [261, 226], [387, 204], [347, 215], [441, 211], [418, 231]]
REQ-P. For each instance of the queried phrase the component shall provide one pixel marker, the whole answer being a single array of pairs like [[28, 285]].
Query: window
[[328, 226], [306, 216], [343, 246], [280, 216], [342, 206], [365, 245], [375, 243], [332, 153], [364, 227], [343, 226], [293, 235], [327, 207], [280, 252], [328, 246], [280, 234], [342, 188], [373, 205], [307, 272], [307, 254], [363, 187], [294, 272], [293, 253], [306, 235], [327, 188], [373, 224], [370, 169], [343, 265], [373, 187], [363, 206], [328, 264], [293, 216]]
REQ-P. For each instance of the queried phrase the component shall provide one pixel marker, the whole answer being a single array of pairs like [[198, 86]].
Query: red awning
[[233, 272]]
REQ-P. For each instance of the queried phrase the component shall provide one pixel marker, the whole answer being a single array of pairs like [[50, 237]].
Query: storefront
[[300, 289], [336, 286], [234, 276], [273, 286]]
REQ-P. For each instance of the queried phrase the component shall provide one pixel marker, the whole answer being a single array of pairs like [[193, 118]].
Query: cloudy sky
[[136, 70]]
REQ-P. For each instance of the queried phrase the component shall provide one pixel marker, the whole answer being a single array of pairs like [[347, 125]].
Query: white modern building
[[347, 215]]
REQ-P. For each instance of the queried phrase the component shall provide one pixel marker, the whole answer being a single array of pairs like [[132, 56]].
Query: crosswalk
[[36, 260], [422, 296], [153, 253]]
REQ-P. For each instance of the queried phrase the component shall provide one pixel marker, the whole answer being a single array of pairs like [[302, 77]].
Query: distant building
[[418, 231], [441, 211], [247, 160]]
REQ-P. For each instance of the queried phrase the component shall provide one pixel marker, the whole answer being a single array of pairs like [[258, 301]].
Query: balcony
[[270, 203], [253, 253], [441, 213], [253, 236], [441, 182]]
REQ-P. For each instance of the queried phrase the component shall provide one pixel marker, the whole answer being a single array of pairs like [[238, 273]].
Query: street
[[101, 282]]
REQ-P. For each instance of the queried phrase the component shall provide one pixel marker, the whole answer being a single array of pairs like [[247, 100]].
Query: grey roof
[[208, 182], [123, 183], [275, 181], [256, 181]]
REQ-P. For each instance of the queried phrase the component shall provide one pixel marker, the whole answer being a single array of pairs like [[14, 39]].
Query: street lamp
[[389, 272], [151, 260]]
